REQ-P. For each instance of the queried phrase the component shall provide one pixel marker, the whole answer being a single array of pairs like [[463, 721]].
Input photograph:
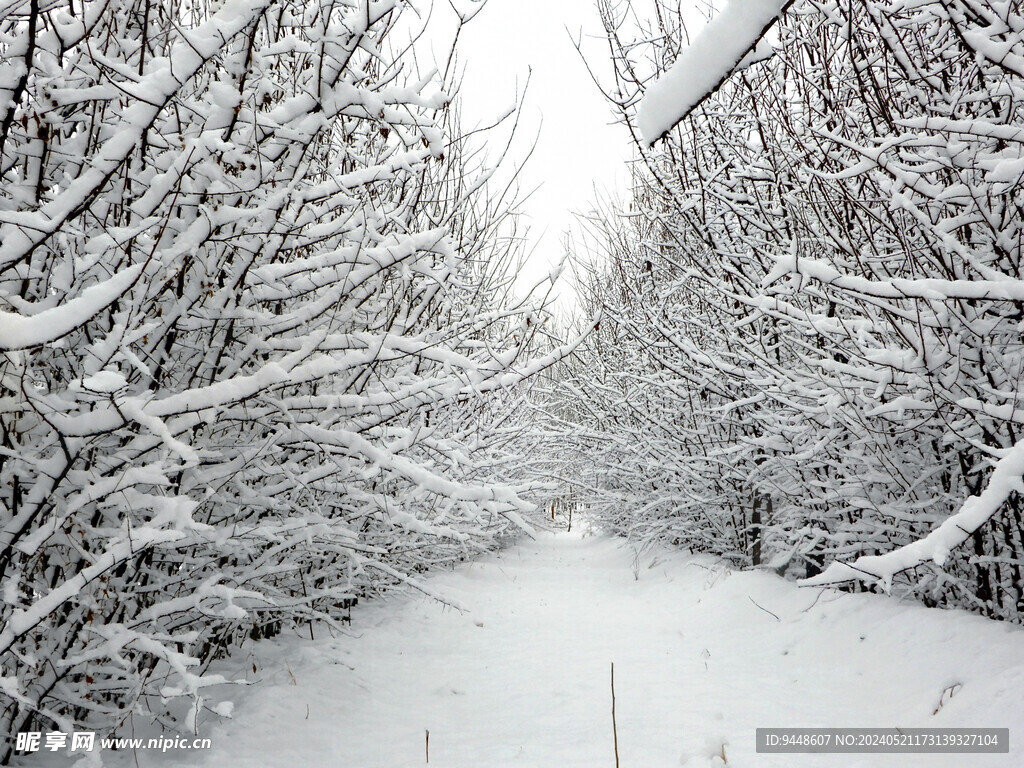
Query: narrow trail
[[520, 676]]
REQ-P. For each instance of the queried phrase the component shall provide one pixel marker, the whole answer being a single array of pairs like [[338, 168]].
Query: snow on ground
[[520, 677]]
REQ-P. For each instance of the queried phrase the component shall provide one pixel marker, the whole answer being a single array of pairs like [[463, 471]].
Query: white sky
[[579, 149]]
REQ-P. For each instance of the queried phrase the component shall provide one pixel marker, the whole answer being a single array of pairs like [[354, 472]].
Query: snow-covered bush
[[818, 292], [257, 357]]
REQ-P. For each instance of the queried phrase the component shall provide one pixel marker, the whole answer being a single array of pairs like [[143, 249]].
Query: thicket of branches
[[811, 348], [259, 356]]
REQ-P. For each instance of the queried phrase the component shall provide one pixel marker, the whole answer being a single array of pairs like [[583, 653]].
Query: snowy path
[[521, 677]]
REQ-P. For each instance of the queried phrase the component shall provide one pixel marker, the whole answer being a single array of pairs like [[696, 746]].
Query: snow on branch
[[932, 288], [23, 231], [701, 68], [20, 332], [936, 546]]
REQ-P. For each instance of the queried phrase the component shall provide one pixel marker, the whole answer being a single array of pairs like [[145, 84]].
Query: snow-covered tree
[[822, 288], [259, 355]]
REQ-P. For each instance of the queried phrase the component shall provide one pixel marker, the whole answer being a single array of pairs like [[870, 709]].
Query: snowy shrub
[[814, 301], [258, 358]]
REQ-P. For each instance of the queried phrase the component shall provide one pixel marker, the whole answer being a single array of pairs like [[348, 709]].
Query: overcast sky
[[579, 148]]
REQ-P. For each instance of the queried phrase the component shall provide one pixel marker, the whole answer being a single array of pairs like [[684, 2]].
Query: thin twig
[[762, 608], [805, 610], [615, 730]]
